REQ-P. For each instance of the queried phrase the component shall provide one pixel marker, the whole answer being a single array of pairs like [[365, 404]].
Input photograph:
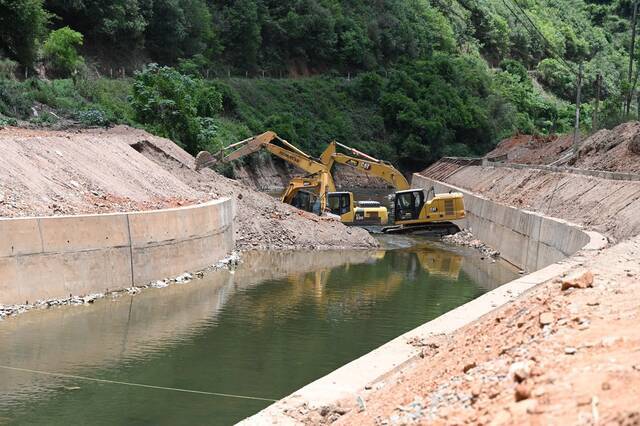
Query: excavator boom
[[318, 177], [287, 152], [365, 164]]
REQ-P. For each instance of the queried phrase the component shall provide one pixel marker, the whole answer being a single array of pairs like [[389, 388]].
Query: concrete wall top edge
[[191, 206]]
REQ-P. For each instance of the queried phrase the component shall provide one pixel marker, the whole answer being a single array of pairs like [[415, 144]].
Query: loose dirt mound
[[123, 169], [612, 150], [616, 150], [529, 149]]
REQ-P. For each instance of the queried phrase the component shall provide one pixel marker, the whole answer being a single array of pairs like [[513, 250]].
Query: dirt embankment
[[532, 149], [615, 150], [609, 207], [263, 174], [124, 169]]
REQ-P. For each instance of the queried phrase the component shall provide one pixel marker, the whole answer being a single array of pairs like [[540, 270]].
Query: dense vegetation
[[407, 80]]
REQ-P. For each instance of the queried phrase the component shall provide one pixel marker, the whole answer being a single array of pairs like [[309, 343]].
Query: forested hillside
[[407, 80]]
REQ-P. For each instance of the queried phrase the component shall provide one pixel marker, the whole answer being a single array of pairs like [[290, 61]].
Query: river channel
[[278, 322]]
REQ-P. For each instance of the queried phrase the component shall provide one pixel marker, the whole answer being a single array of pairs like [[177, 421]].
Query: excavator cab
[[341, 204], [414, 211], [305, 200], [408, 204]]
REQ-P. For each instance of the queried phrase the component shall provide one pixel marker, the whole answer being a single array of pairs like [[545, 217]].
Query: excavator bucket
[[204, 159]]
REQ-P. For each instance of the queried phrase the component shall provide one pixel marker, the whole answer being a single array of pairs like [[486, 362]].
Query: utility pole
[[594, 122], [576, 130], [631, 55]]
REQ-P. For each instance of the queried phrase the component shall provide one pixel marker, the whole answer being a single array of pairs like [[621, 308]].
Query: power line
[[548, 43], [576, 133], [545, 41]]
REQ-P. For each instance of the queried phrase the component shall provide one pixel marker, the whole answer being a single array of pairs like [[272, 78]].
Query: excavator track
[[436, 228]]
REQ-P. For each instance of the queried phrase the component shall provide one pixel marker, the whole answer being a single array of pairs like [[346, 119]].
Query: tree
[[60, 50], [22, 23], [176, 106], [179, 29], [113, 23], [241, 28]]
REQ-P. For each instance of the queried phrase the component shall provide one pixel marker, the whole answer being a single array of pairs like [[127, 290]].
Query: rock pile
[[465, 238]]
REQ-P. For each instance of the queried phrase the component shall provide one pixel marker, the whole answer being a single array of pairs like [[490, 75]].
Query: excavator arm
[[364, 163], [318, 177], [287, 152]]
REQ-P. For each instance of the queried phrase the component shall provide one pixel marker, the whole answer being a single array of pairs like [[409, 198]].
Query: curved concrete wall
[[527, 239], [53, 257]]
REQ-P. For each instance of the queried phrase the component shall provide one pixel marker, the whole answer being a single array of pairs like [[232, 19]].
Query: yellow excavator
[[315, 192], [413, 209]]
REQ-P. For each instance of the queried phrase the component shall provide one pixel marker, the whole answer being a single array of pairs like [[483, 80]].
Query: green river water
[[280, 321]]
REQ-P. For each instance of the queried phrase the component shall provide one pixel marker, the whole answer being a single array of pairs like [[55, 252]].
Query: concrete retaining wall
[[527, 239], [53, 257]]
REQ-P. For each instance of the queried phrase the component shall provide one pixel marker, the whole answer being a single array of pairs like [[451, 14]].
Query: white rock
[[519, 371], [184, 278], [159, 284]]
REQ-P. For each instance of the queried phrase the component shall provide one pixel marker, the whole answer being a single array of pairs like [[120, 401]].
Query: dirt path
[[45, 173]]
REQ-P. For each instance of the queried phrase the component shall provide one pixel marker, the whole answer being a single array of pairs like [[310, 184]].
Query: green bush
[[7, 68], [109, 96], [60, 50], [555, 76], [176, 106], [93, 117], [7, 121], [15, 99]]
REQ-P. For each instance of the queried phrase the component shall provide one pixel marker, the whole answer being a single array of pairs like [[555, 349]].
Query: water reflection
[[280, 321]]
